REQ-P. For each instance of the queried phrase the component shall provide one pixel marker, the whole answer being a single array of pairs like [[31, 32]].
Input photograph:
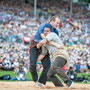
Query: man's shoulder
[[42, 25], [51, 36], [52, 33]]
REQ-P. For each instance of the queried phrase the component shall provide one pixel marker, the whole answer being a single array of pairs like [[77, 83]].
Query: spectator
[[77, 67], [71, 73], [84, 68], [20, 71]]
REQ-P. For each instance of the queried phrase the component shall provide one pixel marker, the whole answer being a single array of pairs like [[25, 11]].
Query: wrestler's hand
[[41, 43], [38, 46], [59, 47]]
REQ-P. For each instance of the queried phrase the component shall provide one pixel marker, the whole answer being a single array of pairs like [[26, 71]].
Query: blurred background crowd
[[17, 27]]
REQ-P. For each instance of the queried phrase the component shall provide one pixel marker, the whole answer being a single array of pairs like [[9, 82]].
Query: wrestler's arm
[[55, 44], [42, 35], [43, 53], [40, 57], [42, 42]]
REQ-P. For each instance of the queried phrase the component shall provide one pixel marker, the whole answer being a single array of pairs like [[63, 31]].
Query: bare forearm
[[42, 35], [41, 43], [40, 57], [55, 44]]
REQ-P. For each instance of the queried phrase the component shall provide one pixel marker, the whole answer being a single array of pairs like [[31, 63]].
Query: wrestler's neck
[[52, 24]]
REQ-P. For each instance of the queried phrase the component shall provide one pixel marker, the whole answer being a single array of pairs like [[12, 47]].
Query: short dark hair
[[53, 18], [48, 26]]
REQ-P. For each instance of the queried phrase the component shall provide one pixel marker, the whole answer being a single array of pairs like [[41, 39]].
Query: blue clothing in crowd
[[77, 68]]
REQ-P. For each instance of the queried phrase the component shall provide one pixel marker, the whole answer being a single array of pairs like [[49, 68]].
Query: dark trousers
[[33, 61], [56, 68]]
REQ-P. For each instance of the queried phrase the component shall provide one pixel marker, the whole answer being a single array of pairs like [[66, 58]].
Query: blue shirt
[[37, 36], [77, 67]]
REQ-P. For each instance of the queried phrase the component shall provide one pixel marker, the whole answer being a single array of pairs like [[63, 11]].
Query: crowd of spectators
[[17, 27]]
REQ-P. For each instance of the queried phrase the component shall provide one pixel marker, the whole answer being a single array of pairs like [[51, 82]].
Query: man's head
[[46, 30], [55, 21]]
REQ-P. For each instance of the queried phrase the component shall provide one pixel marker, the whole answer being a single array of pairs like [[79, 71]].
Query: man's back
[[52, 37]]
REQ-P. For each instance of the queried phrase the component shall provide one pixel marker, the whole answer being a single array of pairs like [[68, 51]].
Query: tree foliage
[[84, 1]]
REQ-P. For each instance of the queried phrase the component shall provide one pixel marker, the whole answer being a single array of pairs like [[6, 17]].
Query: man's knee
[[53, 67], [49, 75], [32, 68], [45, 69]]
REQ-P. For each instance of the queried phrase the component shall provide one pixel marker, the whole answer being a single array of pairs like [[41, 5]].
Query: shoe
[[69, 83], [37, 84], [61, 86]]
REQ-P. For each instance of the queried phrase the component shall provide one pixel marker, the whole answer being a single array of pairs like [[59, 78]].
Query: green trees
[[84, 1]]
